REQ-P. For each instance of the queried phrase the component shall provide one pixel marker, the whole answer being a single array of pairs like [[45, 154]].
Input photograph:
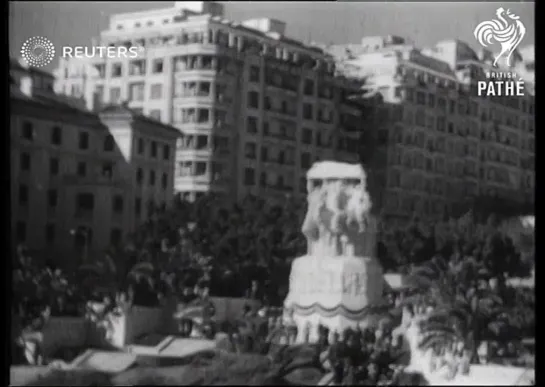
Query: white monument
[[339, 282]]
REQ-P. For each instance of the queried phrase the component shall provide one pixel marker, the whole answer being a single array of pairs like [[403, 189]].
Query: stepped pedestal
[[337, 292], [339, 283]]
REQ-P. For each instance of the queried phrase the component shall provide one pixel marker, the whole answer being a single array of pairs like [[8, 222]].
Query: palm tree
[[461, 309]]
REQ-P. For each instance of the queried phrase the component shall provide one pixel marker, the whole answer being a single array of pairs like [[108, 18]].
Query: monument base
[[338, 292]]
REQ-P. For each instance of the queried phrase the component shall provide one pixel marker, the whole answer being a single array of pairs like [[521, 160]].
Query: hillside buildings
[[255, 107], [438, 143], [81, 181]]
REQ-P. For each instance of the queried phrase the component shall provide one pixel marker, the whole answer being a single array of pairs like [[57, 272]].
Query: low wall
[[66, 332], [75, 332]]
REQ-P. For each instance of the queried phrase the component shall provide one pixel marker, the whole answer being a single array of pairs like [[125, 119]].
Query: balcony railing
[[83, 214], [93, 179]]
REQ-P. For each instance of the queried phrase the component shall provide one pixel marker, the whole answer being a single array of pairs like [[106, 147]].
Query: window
[[52, 198], [203, 115], [253, 99], [201, 143], [409, 94], [156, 91], [137, 67], [139, 176], [442, 104], [152, 178], [420, 118], [249, 176], [254, 74], [117, 204], [23, 195], [115, 95], [150, 207], [109, 143], [27, 131], [306, 136], [154, 149], [155, 114], [441, 124], [82, 169], [204, 89], [164, 180], [115, 237], [24, 161], [50, 234], [136, 91], [250, 150], [107, 170], [420, 98], [138, 206], [251, 125], [56, 135], [200, 168], [83, 141], [307, 111], [157, 67], [264, 153], [117, 70], [141, 146], [309, 87], [267, 103], [217, 171], [305, 160], [53, 166], [21, 232], [166, 152], [452, 107], [99, 94], [85, 202]]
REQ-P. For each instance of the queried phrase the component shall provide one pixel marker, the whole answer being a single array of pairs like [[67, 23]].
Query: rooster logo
[[509, 33]]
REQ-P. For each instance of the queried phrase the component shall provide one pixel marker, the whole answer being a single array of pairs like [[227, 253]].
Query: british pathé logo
[[508, 31]]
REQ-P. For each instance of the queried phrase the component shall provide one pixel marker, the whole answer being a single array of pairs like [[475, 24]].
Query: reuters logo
[[38, 51]]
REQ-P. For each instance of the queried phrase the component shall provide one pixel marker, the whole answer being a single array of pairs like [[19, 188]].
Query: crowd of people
[[361, 356]]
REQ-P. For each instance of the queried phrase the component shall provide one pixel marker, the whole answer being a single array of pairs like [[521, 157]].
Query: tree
[[461, 309]]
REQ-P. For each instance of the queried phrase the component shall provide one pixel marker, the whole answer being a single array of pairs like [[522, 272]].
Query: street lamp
[[84, 232]]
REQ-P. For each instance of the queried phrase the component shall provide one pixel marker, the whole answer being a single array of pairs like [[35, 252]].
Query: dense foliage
[[246, 249], [257, 240]]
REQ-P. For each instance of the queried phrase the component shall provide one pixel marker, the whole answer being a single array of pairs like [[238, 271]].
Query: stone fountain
[[339, 283]]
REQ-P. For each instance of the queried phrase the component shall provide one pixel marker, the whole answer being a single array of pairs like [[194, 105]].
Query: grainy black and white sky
[[75, 23]]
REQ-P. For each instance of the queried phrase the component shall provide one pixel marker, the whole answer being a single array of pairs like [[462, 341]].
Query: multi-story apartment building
[[81, 181], [256, 108], [438, 142]]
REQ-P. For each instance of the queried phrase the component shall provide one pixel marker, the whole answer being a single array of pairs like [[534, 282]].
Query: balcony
[[92, 180], [275, 162], [84, 214], [194, 153], [279, 136], [281, 113]]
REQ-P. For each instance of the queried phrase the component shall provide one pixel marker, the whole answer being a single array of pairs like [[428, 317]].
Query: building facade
[[438, 143], [81, 181], [256, 108]]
